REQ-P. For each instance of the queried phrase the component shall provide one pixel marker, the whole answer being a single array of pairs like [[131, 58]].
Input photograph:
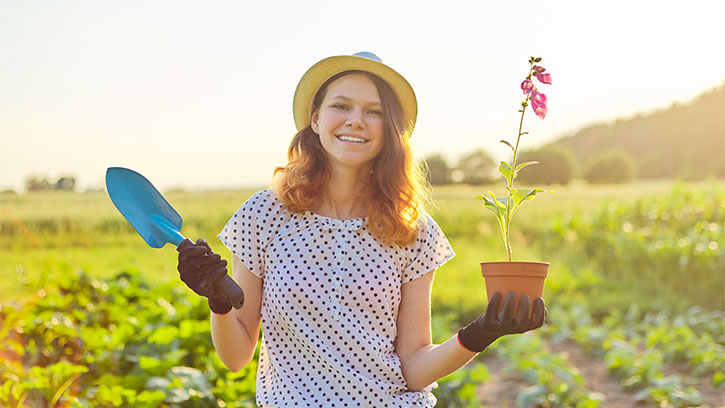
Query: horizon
[[223, 188], [88, 86]]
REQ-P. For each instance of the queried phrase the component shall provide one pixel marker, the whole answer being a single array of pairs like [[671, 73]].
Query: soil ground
[[501, 389]]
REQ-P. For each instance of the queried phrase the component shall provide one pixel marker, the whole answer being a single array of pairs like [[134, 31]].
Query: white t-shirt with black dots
[[330, 301]]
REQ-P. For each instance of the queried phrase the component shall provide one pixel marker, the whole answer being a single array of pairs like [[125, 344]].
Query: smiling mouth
[[352, 139]]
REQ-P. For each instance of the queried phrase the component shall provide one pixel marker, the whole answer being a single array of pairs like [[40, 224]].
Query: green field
[[46, 234], [636, 283]]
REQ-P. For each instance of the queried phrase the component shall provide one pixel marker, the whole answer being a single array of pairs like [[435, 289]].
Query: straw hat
[[316, 76]]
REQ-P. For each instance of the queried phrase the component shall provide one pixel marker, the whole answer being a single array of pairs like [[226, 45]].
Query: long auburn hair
[[397, 191]]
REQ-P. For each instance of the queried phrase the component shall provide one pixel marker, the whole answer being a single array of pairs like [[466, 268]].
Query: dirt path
[[501, 390], [598, 377]]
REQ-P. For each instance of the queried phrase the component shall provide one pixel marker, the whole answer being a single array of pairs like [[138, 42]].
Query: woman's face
[[349, 121]]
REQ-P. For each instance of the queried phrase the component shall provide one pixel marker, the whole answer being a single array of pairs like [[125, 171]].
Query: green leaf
[[522, 165], [531, 396], [157, 383], [490, 205], [507, 144], [149, 398], [506, 170], [519, 195], [59, 392], [174, 356], [192, 378], [525, 194], [164, 335], [177, 395], [499, 202], [109, 395], [148, 363]]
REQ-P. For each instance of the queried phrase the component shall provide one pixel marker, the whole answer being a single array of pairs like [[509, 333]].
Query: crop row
[[555, 381], [669, 243], [119, 342], [122, 342], [636, 351]]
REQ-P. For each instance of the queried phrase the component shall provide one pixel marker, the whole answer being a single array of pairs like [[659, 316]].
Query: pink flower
[[538, 98], [544, 78], [538, 104], [527, 86], [538, 69]]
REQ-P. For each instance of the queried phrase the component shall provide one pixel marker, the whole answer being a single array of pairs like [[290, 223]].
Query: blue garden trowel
[[155, 220]]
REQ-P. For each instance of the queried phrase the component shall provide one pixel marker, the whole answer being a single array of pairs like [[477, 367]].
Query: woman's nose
[[354, 119]]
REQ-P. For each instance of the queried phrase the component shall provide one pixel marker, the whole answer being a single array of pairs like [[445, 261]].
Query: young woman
[[336, 261]]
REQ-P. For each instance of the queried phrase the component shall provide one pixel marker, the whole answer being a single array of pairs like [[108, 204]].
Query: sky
[[198, 95]]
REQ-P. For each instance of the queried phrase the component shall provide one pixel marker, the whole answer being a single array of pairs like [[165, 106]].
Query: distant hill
[[683, 141]]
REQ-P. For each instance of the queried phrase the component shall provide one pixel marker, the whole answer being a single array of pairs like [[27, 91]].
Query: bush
[[556, 166], [476, 168], [612, 166], [437, 169]]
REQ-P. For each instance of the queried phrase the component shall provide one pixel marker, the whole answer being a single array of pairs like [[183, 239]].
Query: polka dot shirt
[[331, 292]]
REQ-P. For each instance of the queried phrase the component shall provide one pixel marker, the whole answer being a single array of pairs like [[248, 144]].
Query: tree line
[[557, 165], [684, 141], [42, 183]]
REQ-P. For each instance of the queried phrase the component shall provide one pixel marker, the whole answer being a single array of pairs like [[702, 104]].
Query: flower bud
[[527, 86], [544, 78]]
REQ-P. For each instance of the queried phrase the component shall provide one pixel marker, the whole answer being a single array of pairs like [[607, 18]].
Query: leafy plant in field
[[458, 390], [121, 342], [505, 207], [38, 383], [669, 244], [556, 382], [668, 392], [635, 349], [115, 343]]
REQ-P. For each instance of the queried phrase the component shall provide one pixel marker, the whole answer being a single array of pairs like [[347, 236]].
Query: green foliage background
[[91, 316]]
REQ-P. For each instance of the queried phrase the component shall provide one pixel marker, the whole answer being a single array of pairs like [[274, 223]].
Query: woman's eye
[[376, 113], [339, 106]]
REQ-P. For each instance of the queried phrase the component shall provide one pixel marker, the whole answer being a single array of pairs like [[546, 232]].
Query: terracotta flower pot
[[524, 278]]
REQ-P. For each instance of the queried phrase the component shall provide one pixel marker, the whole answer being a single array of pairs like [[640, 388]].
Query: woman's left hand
[[495, 323]]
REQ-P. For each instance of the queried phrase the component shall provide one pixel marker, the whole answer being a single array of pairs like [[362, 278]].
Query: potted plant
[[524, 278]]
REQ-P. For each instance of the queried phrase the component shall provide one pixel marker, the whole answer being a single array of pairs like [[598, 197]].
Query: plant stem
[[516, 149], [513, 172]]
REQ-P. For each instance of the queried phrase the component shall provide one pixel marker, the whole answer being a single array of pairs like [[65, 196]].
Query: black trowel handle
[[226, 286], [234, 294]]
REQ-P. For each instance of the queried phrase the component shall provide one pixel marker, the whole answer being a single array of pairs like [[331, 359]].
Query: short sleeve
[[245, 233], [430, 251]]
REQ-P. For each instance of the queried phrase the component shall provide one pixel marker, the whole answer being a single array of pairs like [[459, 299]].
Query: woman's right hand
[[495, 323], [200, 268]]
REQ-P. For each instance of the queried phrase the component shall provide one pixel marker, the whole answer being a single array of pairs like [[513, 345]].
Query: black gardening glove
[[200, 268], [494, 323]]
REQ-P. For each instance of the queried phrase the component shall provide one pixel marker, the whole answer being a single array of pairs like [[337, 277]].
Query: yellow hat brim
[[316, 76]]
